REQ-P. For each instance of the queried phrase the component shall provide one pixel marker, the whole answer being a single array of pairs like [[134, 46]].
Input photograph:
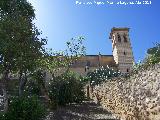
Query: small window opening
[[125, 38], [119, 38]]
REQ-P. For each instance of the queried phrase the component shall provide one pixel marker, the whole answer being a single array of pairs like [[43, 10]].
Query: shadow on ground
[[84, 111]]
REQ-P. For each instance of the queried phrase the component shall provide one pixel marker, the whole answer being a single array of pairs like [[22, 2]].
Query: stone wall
[[134, 98]]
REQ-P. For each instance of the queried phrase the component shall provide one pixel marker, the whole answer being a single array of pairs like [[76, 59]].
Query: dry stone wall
[[134, 98]]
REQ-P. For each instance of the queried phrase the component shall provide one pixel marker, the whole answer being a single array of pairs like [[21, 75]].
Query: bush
[[32, 88], [2, 116], [34, 84], [25, 108], [65, 89], [154, 54], [152, 58], [102, 74]]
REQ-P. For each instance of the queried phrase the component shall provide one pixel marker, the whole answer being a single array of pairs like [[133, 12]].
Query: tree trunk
[[45, 93], [22, 83], [44, 90], [4, 88]]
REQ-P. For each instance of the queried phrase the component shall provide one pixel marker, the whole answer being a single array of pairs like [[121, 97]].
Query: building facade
[[122, 58], [89, 63]]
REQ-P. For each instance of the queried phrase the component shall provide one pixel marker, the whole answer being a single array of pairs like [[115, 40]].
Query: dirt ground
[[87, 110]]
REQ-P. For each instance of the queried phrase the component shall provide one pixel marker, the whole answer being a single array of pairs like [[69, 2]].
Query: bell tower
[[122, 50]]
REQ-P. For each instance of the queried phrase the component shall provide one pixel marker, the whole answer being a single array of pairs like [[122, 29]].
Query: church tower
[[122, 50]]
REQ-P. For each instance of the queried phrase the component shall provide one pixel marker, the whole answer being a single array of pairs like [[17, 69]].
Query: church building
[[122, 58]]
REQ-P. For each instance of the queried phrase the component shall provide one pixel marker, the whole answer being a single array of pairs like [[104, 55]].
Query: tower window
[[125, 38], [119, 38], [127, 70], [113, 37], [124, 53]]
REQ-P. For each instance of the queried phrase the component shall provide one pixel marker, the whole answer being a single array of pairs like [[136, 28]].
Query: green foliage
[[32, 88], [59, 59], [22, 51], [154, 54], [152, 58], [65, 89], [101, 74], [17, 30], [84, 79], [76, 47], [2, 116], [22, 7], [136, 67], [25, 108], [35, 82], [20, 43]]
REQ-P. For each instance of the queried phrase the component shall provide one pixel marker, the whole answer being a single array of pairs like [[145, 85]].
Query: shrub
[[152, 58], [65, 89], [137, 66], [154, 54], [35, 82], [32, 88], [2, 116], [102, 74], [25, 108]]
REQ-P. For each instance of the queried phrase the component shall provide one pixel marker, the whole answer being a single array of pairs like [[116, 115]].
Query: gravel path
[[84, 111]]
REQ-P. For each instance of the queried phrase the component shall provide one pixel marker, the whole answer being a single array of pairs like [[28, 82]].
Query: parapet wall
[[134, 98]]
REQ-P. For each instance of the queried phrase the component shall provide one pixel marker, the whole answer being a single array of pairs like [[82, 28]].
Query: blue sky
[[61, 20]]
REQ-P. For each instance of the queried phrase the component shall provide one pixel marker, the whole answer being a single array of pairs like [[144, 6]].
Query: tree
[[20, 45], [58, 63], [55, 61], [154, 54], [152, 57], [22, 50]]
